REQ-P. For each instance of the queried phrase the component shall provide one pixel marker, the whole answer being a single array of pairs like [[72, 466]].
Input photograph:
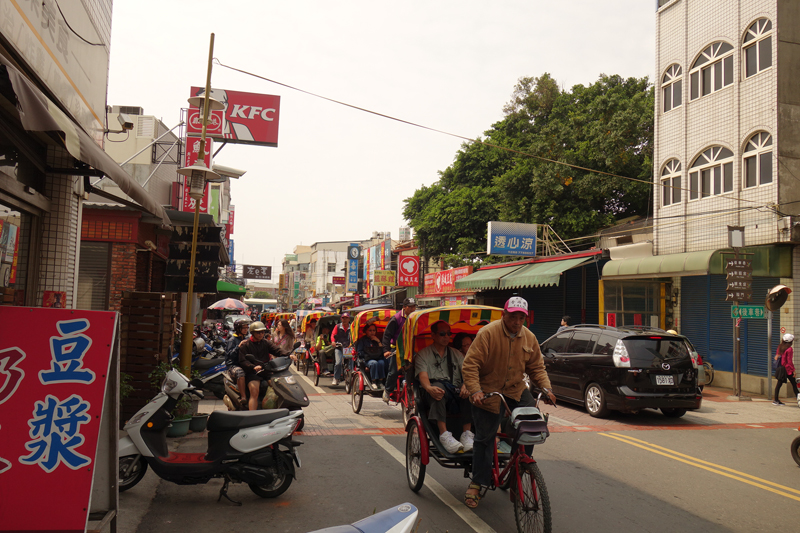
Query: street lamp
[[199, 175]]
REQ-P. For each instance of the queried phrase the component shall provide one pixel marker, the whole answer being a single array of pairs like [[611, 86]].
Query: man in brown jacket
[[502, 352]]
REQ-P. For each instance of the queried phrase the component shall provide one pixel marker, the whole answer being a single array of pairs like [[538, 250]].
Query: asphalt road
[[725, 468]]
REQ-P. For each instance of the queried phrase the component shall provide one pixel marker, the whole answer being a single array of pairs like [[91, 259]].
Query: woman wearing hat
[[785, 371]]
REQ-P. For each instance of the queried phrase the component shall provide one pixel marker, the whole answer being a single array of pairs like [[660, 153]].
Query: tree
[[264, 295], [606, 127]]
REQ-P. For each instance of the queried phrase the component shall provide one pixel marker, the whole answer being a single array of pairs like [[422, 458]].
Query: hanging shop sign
[[353, 255], [511, 238], [257, 272], [194, 122], [249, 118], [445, 280], [338, 280], [52, 387], [192, 153], [408, 271], [384, 278]]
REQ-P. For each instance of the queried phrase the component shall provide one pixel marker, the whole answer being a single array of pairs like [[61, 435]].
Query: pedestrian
[[341, 337], [785, 369], [564, 323], [501, 354], [390, 335]]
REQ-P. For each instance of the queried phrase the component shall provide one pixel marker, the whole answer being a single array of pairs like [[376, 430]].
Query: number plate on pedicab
[[348, 352], [665, 380]]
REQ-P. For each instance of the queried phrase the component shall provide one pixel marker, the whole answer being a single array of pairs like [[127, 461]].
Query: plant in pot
[[182, 413]]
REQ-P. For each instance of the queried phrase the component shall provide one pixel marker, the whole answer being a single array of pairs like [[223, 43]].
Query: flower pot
[[179, 428], [198, 423]]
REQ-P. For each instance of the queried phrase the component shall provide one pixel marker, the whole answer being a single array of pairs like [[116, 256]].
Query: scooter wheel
[[796, 450], [279, 485], [137, 471]]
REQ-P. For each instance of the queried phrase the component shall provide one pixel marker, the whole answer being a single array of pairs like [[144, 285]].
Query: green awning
[[539, 274], [487, 278], [226, 286]]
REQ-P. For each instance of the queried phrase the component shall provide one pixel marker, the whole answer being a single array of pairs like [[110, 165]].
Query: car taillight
[[695, 359], [621, 359]]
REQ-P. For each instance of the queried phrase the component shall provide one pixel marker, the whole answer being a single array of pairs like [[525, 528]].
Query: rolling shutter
[[755, 358], [694, 313], [93, 276]]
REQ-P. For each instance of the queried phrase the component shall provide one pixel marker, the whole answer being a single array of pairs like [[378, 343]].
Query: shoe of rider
[[450, 443], [385, 398], [467, 440], [334, 382]]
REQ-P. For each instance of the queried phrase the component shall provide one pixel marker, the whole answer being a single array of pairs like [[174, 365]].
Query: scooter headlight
[[167, 385]]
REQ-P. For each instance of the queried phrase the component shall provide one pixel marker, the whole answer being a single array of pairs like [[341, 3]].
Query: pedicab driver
[[497, 359]]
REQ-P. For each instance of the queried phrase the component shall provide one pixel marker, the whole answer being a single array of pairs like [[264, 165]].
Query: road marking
[[448, 499], [705, 465], [308, 380], [559, 421]]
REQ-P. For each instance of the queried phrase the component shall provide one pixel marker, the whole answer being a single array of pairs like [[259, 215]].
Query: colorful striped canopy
[[285, 316], [381, 319], [416, 333], [311, 315]]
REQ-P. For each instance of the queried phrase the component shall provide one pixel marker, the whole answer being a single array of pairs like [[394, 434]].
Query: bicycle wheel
[[709, 372], [317, 372], [531, 502], [415, 470], [357, 396]]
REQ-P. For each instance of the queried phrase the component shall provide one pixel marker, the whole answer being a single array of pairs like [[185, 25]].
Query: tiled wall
[[727, 118], [60, 231]]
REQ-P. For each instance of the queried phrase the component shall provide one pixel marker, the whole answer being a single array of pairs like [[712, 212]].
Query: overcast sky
[[337, 173]]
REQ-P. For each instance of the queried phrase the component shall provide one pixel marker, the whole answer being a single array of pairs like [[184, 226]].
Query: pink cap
[[515, 303]]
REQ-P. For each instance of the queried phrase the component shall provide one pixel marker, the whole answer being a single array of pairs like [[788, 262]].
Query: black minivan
[[622, 369]]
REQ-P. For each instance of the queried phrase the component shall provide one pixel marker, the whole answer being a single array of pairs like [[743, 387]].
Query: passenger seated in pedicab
[[309, 335], [324, 348], [438, 369], [370, 349], [462, 342]]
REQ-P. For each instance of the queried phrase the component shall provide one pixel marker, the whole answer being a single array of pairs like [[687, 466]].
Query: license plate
[[665, 380], [348, 350]]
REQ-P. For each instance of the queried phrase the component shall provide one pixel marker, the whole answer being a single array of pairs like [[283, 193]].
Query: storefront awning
[[540, 274], [660, 266], [227, 286], [38, 113], [487, 278]]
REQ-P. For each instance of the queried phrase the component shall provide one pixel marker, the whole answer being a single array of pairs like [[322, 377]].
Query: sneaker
[[334, 382], [385, 398], [450, 443], [778, 402], [503, 447], [467, 440]]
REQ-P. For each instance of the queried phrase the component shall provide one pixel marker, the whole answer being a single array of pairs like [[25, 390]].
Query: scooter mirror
[[296, 345]]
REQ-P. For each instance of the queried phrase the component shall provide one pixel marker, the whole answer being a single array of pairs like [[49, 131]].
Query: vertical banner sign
[[383, 262], [611, 320], [52, 384], [430, 283], [353, 254], [229, 224], [192, 151], [408, 271], [511, 238], [367, 272]]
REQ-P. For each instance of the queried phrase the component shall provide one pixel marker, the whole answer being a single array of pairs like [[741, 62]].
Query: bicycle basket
[[529, 426]]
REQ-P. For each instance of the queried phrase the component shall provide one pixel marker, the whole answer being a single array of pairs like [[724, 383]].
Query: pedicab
[[358, 381], [329, 320], [268, 319], [304, 317], [301, 351], [526, 425]]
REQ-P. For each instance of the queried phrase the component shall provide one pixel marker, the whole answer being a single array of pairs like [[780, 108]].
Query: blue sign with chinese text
[[511, 238]]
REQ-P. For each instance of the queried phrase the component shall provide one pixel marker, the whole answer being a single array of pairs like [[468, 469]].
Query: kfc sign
[[249, 118], [408, 271], [194, 124]]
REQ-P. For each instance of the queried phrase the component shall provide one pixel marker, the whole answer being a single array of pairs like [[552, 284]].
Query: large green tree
[[558, 146]]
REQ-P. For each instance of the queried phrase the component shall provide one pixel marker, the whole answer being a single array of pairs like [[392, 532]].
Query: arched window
[[711, 173], [671, 183], [712, 71], [671, 85], [758, 160], [757, 47]]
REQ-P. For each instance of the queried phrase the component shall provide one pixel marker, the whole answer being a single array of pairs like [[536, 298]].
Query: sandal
[[471, 500]]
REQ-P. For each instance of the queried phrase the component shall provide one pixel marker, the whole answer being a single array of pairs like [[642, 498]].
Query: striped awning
[[540, 274], [486, 278]]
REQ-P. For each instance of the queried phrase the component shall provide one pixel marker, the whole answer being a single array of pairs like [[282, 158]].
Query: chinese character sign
[[408, 271], [52, 384], [511, 238], [257, 272], [384, 278], [192, 154]]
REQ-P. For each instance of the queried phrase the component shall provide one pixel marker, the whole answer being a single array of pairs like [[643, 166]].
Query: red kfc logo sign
[[408, 271], [249, 118]]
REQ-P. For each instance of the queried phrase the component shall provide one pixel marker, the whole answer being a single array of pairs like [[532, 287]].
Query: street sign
[[748, 311], [739, 264], [739, 296]]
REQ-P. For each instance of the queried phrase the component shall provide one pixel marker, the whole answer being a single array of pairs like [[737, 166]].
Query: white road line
[[308, 380], [559, 421], [448, 499]]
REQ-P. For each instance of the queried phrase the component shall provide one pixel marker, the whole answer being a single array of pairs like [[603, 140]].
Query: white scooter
[[398, 519], [243, 447]]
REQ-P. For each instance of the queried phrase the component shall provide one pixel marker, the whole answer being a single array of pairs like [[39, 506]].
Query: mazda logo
[[665, 366]]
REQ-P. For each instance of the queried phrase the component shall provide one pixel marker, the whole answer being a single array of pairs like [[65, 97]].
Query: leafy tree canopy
[[266, 295], [606, 127]]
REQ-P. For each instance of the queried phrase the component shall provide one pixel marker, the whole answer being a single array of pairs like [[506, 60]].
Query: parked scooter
[[398, 519], [254, 448], [286, 392], [796, 446]]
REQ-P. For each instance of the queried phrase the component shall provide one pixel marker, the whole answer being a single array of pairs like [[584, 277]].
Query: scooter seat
[[205, 364], [223, 420]]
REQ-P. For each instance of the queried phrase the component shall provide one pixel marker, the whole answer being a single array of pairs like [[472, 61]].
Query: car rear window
[[647, 351]]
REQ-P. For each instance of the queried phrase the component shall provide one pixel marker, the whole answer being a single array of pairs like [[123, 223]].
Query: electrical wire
[[78, 35]]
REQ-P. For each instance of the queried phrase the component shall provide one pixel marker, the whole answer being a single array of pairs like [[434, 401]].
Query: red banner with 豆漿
[[52, 383]]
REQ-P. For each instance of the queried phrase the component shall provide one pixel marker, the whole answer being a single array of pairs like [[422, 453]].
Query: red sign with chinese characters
[[192, 151], [408, 271], [430, 283], [52, 384], [356, 300], [250, 118], [194, 123], [446, 279], [338, 280]]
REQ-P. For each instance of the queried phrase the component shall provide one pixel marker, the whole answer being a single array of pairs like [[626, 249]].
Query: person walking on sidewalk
[[785, 371]]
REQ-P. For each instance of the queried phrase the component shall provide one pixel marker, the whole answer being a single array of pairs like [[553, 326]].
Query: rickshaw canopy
[[307, 316], [379, 317], [416, 333]]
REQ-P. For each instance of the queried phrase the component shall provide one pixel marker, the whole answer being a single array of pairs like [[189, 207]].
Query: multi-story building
[[726, 153]]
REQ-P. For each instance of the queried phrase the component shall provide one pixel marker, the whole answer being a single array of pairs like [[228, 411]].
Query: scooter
[[796, 447], [398, 519], [254, 447]]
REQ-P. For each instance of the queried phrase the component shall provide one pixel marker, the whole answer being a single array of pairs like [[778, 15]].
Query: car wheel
[[673, 413], [595, 401]]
